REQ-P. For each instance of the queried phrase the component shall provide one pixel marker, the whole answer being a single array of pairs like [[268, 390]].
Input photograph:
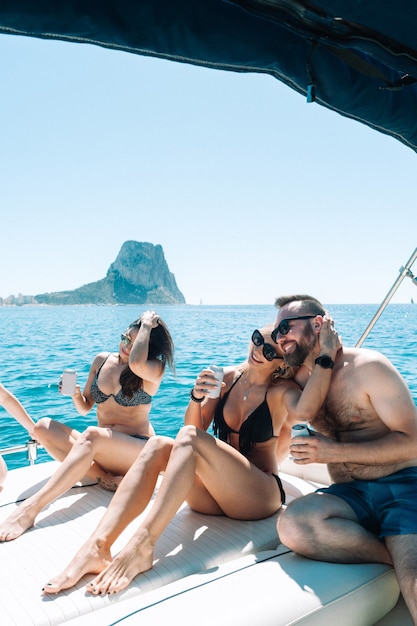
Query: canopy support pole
[[404, 271]]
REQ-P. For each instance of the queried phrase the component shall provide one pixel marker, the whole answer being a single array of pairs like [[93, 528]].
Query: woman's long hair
[[161, 348]]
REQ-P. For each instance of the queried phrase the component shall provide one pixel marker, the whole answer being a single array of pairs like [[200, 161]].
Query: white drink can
[[68, 382], [218, 373]]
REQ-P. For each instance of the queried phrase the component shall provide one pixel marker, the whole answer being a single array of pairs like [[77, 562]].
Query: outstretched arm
[[12, 405]]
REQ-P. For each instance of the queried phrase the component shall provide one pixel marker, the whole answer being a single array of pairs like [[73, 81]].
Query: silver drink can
[[300, 430]]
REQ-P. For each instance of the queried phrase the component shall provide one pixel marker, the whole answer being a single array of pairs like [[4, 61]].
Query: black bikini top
[[256, 428]]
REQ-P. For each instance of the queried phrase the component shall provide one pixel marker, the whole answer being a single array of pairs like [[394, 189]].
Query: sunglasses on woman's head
[[267, 350], [125, 340], [283, 327]]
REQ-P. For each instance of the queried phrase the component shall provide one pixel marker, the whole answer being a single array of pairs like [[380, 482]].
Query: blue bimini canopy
[[356, 57]]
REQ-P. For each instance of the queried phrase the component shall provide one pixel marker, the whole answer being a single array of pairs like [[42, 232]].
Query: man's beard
[[304, 347]]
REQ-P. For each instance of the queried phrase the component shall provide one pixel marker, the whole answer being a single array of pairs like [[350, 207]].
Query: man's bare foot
[[135, 558], [90, 559], [16, 524]]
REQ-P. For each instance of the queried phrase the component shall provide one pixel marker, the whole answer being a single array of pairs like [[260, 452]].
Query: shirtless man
[[368, 438]]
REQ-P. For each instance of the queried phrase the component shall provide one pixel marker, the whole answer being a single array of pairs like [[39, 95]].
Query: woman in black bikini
[[121, 385], [252, 419]]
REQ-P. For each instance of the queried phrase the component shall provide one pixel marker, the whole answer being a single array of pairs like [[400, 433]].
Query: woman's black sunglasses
[[267, 350], [283, 327]]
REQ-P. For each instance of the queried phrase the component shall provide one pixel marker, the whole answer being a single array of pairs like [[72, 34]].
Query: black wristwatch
[[324, 361]]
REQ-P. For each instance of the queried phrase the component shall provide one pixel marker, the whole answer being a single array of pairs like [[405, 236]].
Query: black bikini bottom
[[280, 487]]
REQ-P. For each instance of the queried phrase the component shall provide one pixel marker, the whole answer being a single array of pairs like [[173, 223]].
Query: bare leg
[[403, 549], [119, 451], [247, 494], [56, 438], [130, 500], [325, 528]]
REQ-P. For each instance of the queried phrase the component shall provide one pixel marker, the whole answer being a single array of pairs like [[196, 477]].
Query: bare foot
[[90, 559], [16, 524], [135, 558]]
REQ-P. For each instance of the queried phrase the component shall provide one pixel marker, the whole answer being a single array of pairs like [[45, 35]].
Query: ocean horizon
[[40, 341]]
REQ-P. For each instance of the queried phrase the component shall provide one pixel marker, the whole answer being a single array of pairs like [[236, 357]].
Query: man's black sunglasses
[[267, 350], [283, 327]]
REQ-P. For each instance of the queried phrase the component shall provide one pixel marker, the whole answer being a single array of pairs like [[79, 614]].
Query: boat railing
[[31, 446]]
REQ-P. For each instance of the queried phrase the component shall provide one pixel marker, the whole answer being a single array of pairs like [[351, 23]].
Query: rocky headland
[[139, 275]]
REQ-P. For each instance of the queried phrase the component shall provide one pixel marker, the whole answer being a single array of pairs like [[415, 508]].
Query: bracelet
[[194, 399]]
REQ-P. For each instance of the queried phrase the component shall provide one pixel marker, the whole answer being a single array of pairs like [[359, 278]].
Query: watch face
[[324, 361]]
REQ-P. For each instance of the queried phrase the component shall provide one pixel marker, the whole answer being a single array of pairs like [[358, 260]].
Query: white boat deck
[[200, 563], [191, 543]]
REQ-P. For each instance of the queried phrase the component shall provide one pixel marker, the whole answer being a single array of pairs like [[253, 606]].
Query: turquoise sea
[[38, 343]]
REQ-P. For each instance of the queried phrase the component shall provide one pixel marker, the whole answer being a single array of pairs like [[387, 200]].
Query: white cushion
[[268, 589]]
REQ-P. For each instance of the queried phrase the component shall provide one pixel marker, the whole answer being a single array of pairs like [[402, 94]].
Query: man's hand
[[314, 449]]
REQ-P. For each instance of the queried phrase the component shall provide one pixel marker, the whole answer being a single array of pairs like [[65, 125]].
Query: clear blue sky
[[250, 191]]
